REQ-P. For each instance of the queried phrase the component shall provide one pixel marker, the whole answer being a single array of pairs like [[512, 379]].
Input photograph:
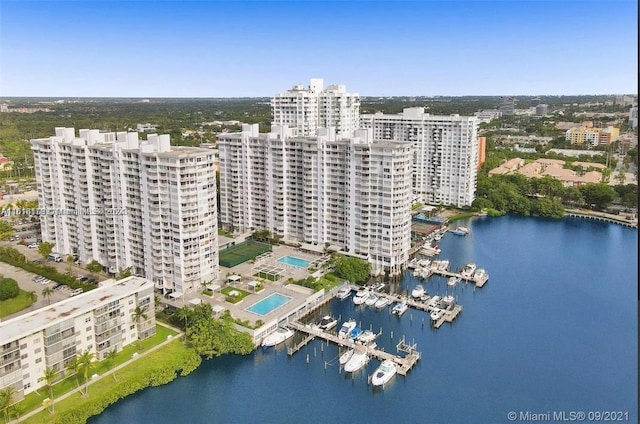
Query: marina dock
[[404, 363]]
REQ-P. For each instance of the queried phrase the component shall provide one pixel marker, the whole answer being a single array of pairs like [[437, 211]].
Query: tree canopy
[[351, 269]]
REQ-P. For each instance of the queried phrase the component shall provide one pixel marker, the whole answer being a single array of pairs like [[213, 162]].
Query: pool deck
[[298, 294]]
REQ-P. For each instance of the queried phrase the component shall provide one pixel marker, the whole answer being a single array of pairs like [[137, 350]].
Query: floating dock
[[404, 363]]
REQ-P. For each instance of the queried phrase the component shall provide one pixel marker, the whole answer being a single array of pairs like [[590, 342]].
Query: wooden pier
[[447, 273], [404, 363]]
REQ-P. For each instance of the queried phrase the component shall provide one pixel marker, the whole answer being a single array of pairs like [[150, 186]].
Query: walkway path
[[100, 377]]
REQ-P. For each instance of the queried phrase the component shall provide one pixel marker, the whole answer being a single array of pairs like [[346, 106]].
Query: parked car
[[33, 245], [37, 261]]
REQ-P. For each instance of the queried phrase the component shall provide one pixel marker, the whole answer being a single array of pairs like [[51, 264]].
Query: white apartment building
[[351, 194], [97, 321], [445, 152], [130, 203], [308, 109]]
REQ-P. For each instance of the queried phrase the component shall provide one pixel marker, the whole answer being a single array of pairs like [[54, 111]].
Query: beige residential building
[[97, 321]]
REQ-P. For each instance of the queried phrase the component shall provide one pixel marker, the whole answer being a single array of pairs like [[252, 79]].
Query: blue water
[[554, 329], [269, 304], [292, 260]]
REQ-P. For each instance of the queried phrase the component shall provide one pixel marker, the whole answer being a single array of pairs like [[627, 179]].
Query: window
[[38, 360]]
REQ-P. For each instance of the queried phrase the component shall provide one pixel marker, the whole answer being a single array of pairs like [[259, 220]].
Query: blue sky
[[385, 48]]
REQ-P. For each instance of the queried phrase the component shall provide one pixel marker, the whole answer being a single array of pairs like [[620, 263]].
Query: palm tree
[[73, 367], [183, 314], [33, 297], [110, 357], [138, 315], [86, 363], [6, 401], [50, 374], [47, 292], [70, 260]]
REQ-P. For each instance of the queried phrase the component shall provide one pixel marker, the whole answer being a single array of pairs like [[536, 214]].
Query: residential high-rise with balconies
[[307, 109], [130, 203], [351, 194], [445, 152], [99, 321]]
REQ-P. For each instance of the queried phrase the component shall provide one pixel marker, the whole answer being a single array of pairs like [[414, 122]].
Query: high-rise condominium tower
[[130, 203], [308, 109]]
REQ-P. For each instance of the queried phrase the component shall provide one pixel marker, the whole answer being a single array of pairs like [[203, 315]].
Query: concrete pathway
[[100, 377]]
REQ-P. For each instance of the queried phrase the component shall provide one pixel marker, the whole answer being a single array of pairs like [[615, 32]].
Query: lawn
[[234, 299], [34, 400], [18, 303]]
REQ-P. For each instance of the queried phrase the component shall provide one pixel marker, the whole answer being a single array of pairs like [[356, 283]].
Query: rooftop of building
[[39, 319]]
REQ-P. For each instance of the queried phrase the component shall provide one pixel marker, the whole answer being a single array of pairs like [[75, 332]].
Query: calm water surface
[[554, 329]]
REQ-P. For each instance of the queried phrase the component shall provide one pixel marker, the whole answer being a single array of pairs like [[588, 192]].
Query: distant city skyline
[[166, 49]]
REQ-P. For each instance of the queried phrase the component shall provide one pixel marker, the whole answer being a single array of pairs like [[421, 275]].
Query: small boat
[[436, 314], [440, 265], [371, 299], [448, 301], [382, 302], [452, 281], [424, 263], [355, 333], [417, 292], [344, 358], [327, 322], [417, 272], [277, 337], [430, 250], [468, 270], [344, 292], [384, 373], [400, 308], [480, 275], [460, 231], [346, 329], [360, 296], [357, 361], [413, 263], [366, 337]]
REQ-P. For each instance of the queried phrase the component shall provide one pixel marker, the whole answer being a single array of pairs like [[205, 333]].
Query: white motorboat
[[424, 263], [430, 250], [384, 373], [412, 263], [371, 299], [417, 272], [382, 302], [436, 314], [366, 337], [452, 281], [346, 329], [440, 265], [449, 301], [360, 296], [344, 292], [357, 361], [344, 358], [468, 270], [460, 231], [400, 308], [277, 337], [480, 275], [418, 292], [327, 322]]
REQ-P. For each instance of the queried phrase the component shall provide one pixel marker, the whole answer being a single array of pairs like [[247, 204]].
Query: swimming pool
[[269, 304], [292, 260]]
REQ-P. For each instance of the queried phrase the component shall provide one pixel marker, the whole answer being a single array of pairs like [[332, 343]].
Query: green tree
[[94, 267], [352, 269], [598, 196], [110, 358], [139, 314], [86, 364], [8, 288], [183, 315], [6, 401], [45, 248], [33, 297], [211, 337], [47, 292], [73, 368], [49, 375], [70, 260], [6, 230], [124, 273]]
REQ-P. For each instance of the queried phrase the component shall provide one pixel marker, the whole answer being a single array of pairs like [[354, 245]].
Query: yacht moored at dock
[[385, 372], [327, 322], [400, 308], [371, 299], [346, 329], [277, 337], [357, 361], [452, 281], [344, 358], [360, 296], [418, 292], [468, 270], [382, 302], [344, 292]]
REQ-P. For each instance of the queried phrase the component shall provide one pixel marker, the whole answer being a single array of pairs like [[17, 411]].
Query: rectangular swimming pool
[[269, 304], [292, 260]]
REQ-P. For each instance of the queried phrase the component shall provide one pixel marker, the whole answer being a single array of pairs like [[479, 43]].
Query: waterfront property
[[242, 252], [272, 180], [130, 203], [98, 321]]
